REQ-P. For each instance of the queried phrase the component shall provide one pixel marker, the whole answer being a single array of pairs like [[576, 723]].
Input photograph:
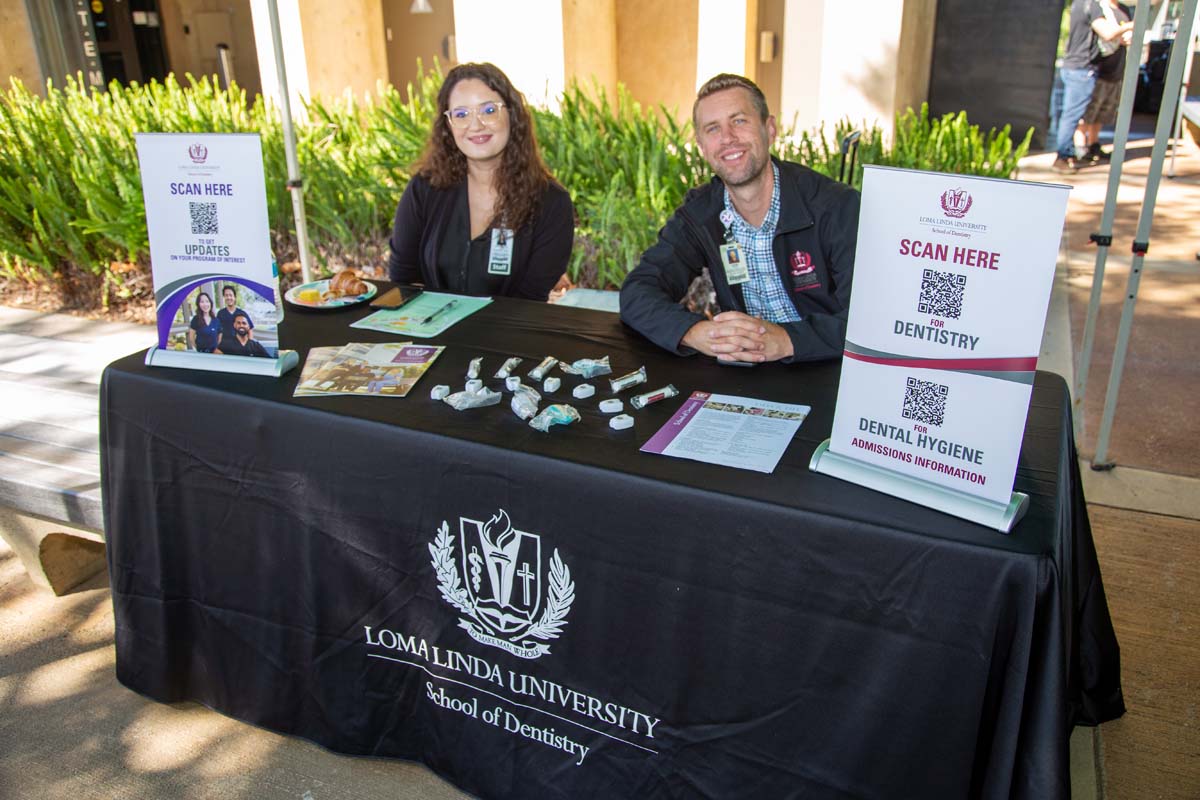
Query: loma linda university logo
[[496, 580], [956, 202], [198, 153]]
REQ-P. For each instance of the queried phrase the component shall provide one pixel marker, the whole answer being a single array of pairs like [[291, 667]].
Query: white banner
[[952, 279], [206, 214]]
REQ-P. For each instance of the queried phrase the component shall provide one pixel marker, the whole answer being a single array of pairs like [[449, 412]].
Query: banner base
[[1001, 516], [243, 365]]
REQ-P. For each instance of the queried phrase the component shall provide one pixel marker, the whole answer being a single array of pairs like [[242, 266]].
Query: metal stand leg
[[1141, 241], [1103, 238], [295, 184]]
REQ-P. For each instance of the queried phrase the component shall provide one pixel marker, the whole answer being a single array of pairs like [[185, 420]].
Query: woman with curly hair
[[482, 215]]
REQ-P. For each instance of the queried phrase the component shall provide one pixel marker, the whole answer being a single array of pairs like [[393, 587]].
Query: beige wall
[[344, 45], [862, 61], [590, 43], [192, 29], [411, 37], [656, 52], [18, 58], [916, 53], [524, 38]]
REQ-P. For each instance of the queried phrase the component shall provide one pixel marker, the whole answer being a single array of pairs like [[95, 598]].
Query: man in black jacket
[[778, 240]]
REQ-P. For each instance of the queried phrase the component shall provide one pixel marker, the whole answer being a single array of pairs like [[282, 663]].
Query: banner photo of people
[[215, 280]]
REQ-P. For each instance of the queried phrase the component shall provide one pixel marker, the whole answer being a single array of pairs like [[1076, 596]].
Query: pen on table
[[446, 307]]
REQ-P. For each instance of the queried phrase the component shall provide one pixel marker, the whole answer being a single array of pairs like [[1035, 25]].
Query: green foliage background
[[70, 191]]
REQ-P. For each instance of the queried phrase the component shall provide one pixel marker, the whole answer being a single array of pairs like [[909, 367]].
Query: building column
[[864, 60]]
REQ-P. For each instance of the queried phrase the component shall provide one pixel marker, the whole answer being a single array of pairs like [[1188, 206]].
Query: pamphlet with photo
[[390, 369]]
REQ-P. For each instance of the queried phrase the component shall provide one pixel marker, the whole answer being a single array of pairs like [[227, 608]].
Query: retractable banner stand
[[952, 280], [216, 286]]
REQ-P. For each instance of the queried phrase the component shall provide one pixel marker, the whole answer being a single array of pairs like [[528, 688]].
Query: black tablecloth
[[320, 567]]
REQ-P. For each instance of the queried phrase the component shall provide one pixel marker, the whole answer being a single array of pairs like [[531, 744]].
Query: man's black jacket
[[815, 238]]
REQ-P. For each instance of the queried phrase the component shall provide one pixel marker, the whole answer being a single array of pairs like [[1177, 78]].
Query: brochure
[[317, 358], [731, 431], [428, 315], [384, 370]]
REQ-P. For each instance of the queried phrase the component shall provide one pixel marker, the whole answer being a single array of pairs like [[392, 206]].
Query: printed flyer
[[731, 431], [952, 280], [215, 281]]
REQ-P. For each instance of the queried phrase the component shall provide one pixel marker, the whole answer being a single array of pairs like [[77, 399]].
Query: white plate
[[293, 295]]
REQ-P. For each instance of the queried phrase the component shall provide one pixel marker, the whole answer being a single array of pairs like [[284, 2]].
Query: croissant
[[345, 284]]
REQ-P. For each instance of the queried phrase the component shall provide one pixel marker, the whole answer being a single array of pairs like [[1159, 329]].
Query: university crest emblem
[[802, 263], [498, 582], [956, 202], [198, 153]]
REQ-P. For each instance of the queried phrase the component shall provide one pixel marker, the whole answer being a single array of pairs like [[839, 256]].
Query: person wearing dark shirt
[[204, 332], [1110, 71], [777, 238], [240, 344], [1087, 27], [226, 315], [482, 214]]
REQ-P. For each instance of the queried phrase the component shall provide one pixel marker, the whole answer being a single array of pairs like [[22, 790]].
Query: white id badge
[[736, 270], [500, 256]]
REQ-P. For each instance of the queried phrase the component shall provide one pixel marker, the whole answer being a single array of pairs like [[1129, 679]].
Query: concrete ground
[[69, 730]]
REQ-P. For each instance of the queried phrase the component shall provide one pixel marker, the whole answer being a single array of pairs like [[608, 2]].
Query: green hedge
[[70, 192]]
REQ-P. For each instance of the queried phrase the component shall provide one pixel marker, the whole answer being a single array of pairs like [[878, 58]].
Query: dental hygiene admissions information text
[[952, 279]]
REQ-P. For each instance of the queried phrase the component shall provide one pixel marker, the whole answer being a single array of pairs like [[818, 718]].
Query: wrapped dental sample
[[556, 414], [440, 392], [474, 367], [625, 381], [611, 405], [539, 372], [512, 382], [643, 400], [588, 367], [551, 384], [621, 422], [460, 401], [583, 390], [474, 385], [507, 368], [525, 401]]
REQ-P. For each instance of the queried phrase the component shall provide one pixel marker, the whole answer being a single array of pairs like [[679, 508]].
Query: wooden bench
[[50, 368], [50, 477], [1191, 113]]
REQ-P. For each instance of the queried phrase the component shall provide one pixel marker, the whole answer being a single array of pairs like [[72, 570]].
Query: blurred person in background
[[1089, 25], [1113, 34]]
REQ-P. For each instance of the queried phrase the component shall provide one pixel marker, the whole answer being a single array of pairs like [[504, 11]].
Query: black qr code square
[[204, 218], [925, 401], [941, 294]]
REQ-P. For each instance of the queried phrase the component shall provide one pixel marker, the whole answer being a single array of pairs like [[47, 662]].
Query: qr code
[[925, 401], [204, 218], [941, 294]]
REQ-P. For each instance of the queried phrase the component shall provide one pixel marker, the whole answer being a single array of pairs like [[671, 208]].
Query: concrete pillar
[[294, 59], [864, 60], [526, 44], [656, 52], [344, 45], [590, 43], [18, 57], [720, 39]]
